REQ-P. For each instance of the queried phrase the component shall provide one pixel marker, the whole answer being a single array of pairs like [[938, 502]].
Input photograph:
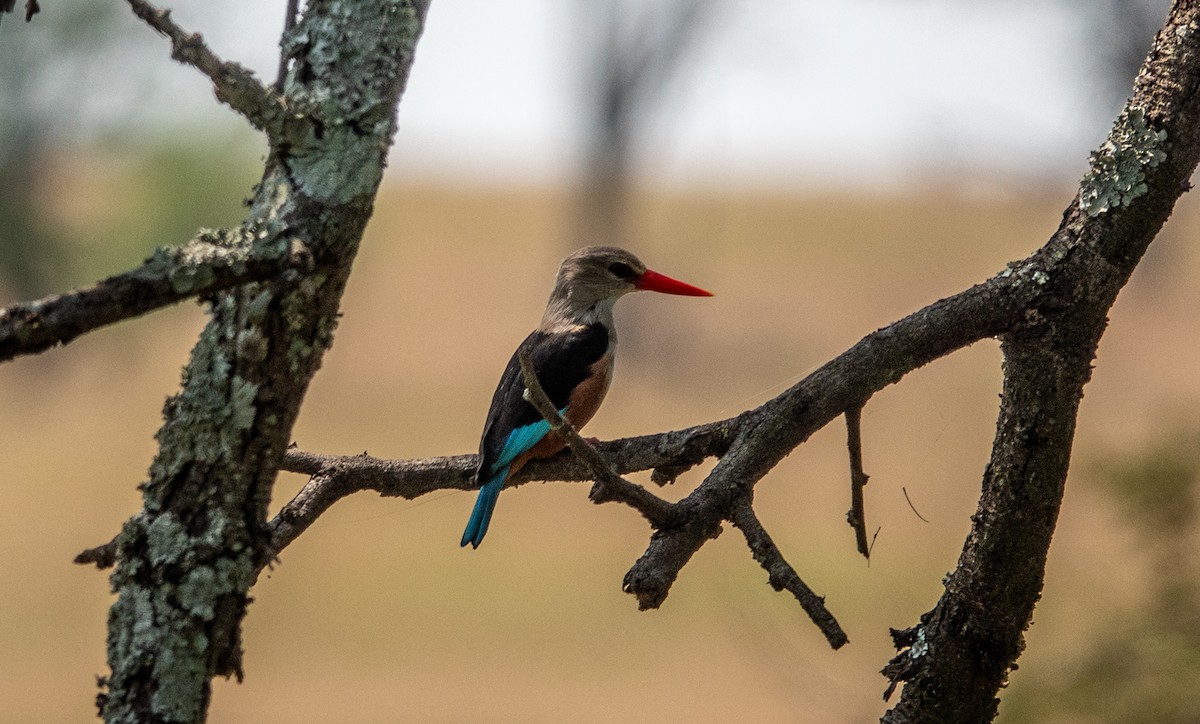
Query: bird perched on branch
[[572, 354]]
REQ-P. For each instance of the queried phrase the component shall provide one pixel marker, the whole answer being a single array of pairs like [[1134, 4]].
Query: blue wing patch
[[520, 440]]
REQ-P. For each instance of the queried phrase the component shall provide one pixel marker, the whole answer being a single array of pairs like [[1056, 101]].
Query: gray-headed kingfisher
[[572, 353]]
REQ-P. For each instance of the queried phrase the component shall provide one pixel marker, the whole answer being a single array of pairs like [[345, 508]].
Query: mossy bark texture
[[187, 560]]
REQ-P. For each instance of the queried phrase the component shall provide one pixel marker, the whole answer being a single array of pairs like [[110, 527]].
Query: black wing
[[561, 362]]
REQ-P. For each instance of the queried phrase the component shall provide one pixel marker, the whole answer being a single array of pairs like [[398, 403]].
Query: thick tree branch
[[234, 84], [210, 263]]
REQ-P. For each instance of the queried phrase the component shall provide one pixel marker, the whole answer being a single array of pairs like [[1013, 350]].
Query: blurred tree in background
[[35, 115], [72, 99], [632, 53], [1122, 31]]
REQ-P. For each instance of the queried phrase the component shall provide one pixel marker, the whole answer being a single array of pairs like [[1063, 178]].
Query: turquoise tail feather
[[519, 441], [481, 515]]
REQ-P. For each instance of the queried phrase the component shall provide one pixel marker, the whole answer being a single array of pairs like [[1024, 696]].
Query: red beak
[[652, 281]]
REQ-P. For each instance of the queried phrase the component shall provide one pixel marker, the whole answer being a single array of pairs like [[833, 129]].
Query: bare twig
[[857, 517], [289, 22], [205, 265], [234, 84], [910, 505], [781, 574], [609, 486], [880, 359]]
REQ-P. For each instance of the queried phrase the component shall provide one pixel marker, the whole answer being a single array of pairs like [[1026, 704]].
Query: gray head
[[592, 279]]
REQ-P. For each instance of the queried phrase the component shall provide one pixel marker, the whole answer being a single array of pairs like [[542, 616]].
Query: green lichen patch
[[166, 540], [198, 593], [241, 403], [1118, 168], [340, 167]]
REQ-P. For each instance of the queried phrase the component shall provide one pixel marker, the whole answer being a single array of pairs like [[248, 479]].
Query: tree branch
[[857, 517], [609, 486], [781, 574], [881, 358], [210, 263], [234, 84]]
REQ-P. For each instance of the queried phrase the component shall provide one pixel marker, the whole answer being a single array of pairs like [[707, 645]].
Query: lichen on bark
[[187, 560]]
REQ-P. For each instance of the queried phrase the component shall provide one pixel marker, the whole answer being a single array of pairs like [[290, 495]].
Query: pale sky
[[850, 92]]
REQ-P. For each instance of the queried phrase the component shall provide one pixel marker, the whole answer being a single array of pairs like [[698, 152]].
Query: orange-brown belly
[[581, 407]]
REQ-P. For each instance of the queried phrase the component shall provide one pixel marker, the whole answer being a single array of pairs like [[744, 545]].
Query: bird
[[572, 351]]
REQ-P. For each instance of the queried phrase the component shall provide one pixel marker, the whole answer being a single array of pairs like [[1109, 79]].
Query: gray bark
[[187, 560]]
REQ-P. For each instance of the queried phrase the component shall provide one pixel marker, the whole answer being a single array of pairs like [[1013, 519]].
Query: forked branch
[[234, 84]]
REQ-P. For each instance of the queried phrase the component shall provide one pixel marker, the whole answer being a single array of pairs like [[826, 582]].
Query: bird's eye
[[621, 270]]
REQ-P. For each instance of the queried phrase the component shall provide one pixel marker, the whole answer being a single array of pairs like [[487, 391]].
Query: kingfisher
[[572, 352]]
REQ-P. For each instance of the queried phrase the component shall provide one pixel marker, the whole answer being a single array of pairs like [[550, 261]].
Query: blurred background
[[825, 168]]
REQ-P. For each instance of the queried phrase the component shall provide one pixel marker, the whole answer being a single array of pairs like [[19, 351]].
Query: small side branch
[[857, 517], [234, 84], [203, 266], [102, 556], [609, 486], [289, 22], [781, 574], [31, 8]]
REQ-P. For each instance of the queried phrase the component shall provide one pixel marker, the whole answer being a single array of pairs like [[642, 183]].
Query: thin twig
[[289, 22], [609, 486], [234, 84], [333, 477], [857, 517], [910, 505], [781, 574]]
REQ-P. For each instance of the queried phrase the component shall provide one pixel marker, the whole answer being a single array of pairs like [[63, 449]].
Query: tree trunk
[[187, 560]]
